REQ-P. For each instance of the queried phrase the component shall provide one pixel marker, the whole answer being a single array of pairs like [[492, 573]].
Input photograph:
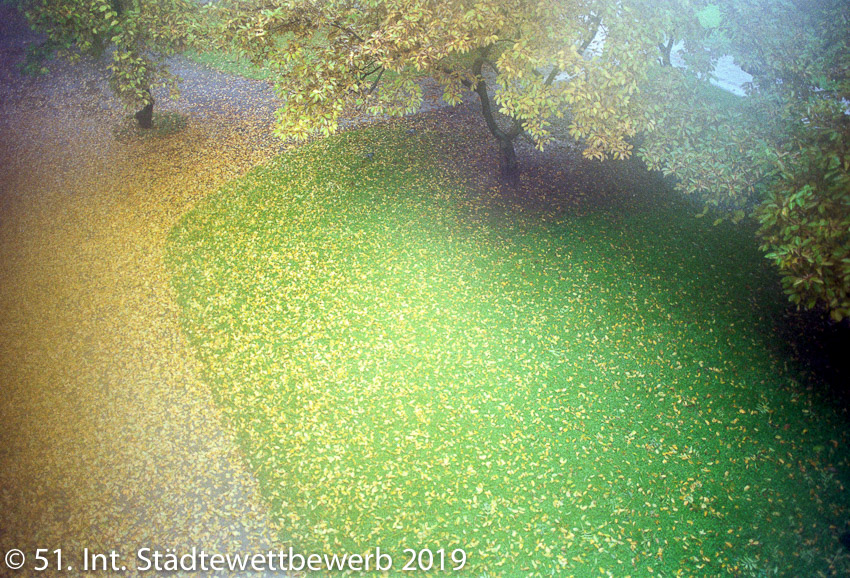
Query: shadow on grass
[[822, 348]]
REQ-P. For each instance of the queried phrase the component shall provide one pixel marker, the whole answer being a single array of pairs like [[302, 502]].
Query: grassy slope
[[409, 363]]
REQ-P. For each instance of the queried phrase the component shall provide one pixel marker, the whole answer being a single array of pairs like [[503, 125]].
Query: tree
[[598, 71], [781, 155], [601, 71], [137, 34], [529, 62]]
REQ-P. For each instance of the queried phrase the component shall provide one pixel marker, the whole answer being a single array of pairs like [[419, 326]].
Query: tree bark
[[508, 165], [145, 115], [666, 49]]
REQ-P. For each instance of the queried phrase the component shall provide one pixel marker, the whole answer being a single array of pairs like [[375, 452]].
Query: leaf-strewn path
[[108, 438]]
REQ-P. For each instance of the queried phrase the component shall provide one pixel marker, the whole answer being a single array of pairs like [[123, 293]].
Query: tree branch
[[364, 75], [552, 74], [347, 30], [376, 81], [484, 96], [595, 21], [515, 129], [665, 51]]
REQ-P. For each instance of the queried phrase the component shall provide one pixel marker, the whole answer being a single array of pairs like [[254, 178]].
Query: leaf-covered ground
[[579, 378], [108, 437]]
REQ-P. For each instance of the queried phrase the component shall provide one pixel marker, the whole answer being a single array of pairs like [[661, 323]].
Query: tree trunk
[[666, 49], [508, 164], [145, 116]]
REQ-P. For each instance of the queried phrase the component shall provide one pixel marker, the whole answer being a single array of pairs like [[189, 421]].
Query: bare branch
[[666, 49]]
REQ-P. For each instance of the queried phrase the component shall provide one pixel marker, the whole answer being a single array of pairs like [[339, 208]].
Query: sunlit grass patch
[[406, 366], [229, 61]]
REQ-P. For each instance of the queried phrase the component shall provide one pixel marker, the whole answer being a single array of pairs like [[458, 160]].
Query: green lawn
[[409, 361], [230, 62]]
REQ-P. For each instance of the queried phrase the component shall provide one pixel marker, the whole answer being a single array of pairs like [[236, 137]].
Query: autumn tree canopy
[[781, 154], [597, 72], [533, 65], [601, 72]]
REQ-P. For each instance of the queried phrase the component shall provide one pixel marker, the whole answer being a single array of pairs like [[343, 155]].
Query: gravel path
[[108, 437]]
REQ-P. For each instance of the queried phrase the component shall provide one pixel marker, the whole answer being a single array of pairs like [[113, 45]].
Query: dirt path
[[108, 437]]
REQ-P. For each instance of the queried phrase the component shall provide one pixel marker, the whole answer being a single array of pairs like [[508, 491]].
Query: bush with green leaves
[[781, 154]]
